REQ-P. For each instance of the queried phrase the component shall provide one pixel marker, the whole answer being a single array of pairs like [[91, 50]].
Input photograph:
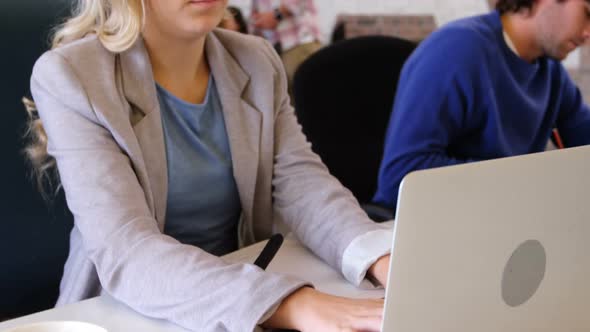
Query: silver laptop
[[501, 245]]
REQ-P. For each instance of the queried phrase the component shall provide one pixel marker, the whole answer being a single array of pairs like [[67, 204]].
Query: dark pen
[[270, 250], [268, 253]]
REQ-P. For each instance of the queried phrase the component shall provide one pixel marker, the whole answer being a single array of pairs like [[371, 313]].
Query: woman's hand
[[309, 310], [379, 270]]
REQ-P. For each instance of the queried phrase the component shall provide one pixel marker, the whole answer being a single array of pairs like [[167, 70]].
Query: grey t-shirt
[[203, 205]]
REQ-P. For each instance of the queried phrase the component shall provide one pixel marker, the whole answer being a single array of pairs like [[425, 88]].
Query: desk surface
[[292, 259]]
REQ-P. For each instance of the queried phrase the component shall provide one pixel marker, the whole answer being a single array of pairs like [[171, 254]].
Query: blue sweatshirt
[[465, 96]]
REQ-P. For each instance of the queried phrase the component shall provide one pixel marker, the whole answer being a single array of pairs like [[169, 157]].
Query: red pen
[[557, 139]]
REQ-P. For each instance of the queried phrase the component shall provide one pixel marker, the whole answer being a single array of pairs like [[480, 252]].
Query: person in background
[[487, 87], [175, 143], [291, 26], [234, 20]]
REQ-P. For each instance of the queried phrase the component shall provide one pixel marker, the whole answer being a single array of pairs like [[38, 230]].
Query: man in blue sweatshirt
[[487, 87]]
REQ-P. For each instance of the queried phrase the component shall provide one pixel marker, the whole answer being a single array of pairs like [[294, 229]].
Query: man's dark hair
[[505, 6]]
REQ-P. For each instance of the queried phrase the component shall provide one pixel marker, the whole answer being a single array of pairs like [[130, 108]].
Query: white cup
[[58, 326]]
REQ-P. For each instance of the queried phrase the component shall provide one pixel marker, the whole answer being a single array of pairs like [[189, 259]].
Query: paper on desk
[[295, 260]]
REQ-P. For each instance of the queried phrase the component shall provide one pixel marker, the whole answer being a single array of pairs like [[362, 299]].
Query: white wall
[[443, 11]]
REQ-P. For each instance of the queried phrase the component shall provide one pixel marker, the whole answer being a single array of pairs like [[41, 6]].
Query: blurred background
[[33, 233], [414, 20]]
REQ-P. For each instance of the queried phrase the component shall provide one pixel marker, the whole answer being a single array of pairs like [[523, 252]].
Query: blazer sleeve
[[322, 213], [137, 264]]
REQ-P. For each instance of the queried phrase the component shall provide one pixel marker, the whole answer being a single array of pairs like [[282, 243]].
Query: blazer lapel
[[242, 120], [140, 91]]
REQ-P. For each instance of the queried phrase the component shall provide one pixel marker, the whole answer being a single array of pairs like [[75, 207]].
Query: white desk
[[292, 259]]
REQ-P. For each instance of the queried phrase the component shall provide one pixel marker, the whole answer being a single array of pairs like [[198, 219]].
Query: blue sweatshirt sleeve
[[573, 121], [431, 108]]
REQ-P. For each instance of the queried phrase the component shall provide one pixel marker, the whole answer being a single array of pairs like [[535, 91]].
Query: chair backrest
[[33, 236], [343, 99]]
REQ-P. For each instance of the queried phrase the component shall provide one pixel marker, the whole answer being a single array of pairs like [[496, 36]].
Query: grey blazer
[[102, 118]]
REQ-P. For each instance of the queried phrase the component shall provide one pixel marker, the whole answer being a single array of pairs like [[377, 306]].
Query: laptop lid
[[500, 245]]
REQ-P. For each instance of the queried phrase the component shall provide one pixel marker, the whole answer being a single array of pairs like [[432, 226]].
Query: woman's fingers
[[367, 324], [370, 307], [309, 310]]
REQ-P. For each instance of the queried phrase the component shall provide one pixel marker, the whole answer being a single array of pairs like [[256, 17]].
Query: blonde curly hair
[[117, 24]]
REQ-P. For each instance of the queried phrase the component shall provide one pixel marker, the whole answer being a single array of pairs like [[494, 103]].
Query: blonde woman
[[175, 142]]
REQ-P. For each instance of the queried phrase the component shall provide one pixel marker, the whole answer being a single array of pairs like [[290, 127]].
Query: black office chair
[[339, 32], [343, 99], [33, 234]]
